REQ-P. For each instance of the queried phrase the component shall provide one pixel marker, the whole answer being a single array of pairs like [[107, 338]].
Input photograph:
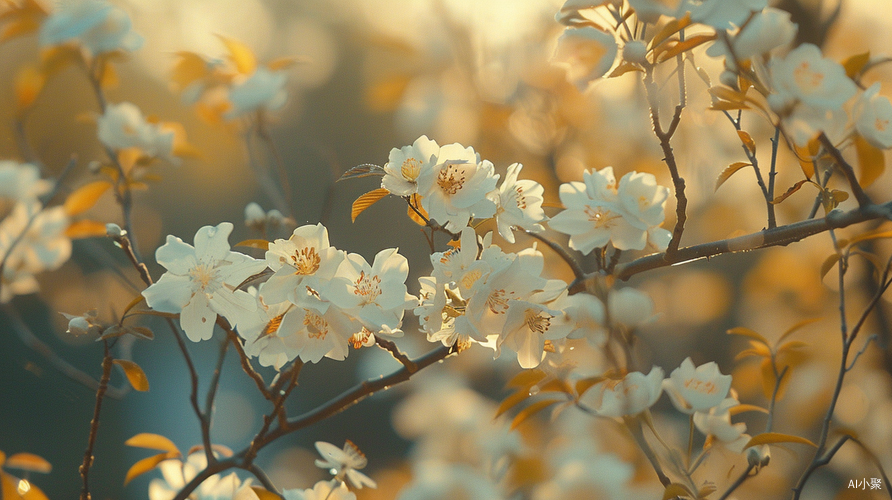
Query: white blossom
[[404, 165], [323, 490], [96, 25], [717, 422], [344, 463], [700, 389], [519, 204], [805, 76], [21, 181], [200, 281], [586, 52], [767, 30], [630, 395], [123, 126], [303, 265], [262, 90], [175, 474], [873, 117]]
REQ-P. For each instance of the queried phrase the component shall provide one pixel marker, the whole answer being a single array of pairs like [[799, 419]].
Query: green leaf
[[364, 170], [776, 437], [729, 171]]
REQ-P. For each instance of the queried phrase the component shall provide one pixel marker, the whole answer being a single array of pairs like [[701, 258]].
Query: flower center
[[410, 169], [520, 198], [881, 125], [470, 278], [367, 287], [537, 321], [451, 179], [317, 328], [806, 78], [602, 218], [498, 301], [305, 261], [700, 386], [204, 275]]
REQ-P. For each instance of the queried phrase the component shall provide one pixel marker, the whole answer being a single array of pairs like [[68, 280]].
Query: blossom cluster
[[455, 186], [33, 238], [316, 300]]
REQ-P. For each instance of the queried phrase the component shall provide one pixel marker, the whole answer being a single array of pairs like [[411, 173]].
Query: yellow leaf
[[147, 464], [415, 217], [9, 487], [367, 200], [152, 442], [746, 332], [188, 68], [675, 490], [85, 229], [531, 410], [769, 381], [789, 192], [285, 62], [871, 161], [556, 385], [84, 197], [135, 375], [807, 156], [19, 27], [512, 401], [261, 244], [828, 264], [738, 409], [28, 84], [729, 171], [671, 28], [776, 437], [747, 141], [749, 352], [584, 384], [727, 94], [128, 157], [728, 106], [622, 69], [871, 236], [386, 94], [854, 64], [527, 378], [239, 53], [793, 344], [2, 459], [796, 327], [29, 462], [681, 47], [263, 494]]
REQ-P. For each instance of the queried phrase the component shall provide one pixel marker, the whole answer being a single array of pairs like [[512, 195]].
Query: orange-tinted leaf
[[239, 53], [147, 464], [85, 229], [807, 156], [133, 303], [263, 494], [135, 375], [141, 332], [671, 28], [796, 327], [793, 344], [688, 44], [556, 385], [622, 69], [854, 64], [283, 62], [830, 199], [727, 94], [387, 93], [729, 171], [746, 332], [738, 409], [188, 68], [9, 486], [29, 462], [152, 442], [870, 236], [675, 490], [828, 264], [531, 410], [871, 161], [19, 27], [29, 491], [747, 141], [706, 490], [769, 381], [261, 244], [776, 437], [749, 352], [29, 82], [364, 170], [414, 216], [526, 378], [512, 401], [84, 197], [367, 200], [789, 192], [586, 383], [2, 459]]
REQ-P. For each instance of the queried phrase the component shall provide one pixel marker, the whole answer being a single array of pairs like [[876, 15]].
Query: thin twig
[[209, 403], [860, 195], [285, 186], [107, 363], [263, 479], [398, 355], [743, 477], [245, 361]]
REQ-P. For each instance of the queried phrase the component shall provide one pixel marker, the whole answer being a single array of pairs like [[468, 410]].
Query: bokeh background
[[379, 73]]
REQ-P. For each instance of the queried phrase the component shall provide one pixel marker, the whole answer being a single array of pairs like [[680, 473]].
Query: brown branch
[[107, 363], [245, 361], [860, 195], [398, 355], [779, 236]]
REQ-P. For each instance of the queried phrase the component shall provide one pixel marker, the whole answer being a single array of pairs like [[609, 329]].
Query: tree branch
[[107, 363]]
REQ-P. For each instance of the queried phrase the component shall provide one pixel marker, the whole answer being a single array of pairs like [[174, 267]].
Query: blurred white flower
[[95, 24], [123, 126], [344, 463], [177, 473], [42, 245], [21, 181], [717, 422], [630, 395], [768, 29], [86, 324], [587, 53], [519, 204], [404, 165], [873, 117], [585, 313], [527, 326], [323, 490], [263, 90], [375, 294], [721, 14], [629, 307], [585, 472], [200, 281], [439, 480], [254, 215], [805, 76], [699, 389], [455, 189]]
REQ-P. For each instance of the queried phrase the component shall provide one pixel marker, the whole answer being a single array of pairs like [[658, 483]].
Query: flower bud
[[254, 215], [113, 230], [758, 456], [635, 52]]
